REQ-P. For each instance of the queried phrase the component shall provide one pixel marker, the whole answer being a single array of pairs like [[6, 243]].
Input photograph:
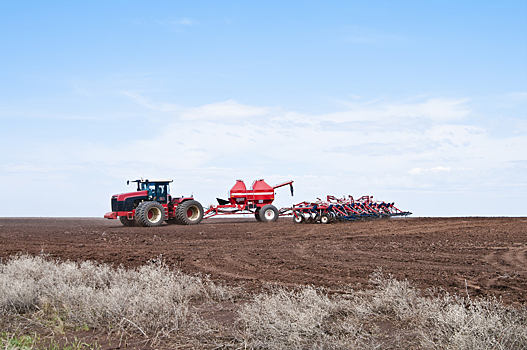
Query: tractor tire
[[268, 213], [151, 214], [324, 219], [127, 222], [189, 213], [299, 218], [137, 215]]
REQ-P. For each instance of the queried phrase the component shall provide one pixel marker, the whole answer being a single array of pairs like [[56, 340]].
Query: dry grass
[[151, 301], [157, 303]]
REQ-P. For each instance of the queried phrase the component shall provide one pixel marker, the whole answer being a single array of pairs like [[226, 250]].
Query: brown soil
[[481, 256]]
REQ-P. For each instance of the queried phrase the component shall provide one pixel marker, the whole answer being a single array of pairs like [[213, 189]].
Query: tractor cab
[[158, 190]]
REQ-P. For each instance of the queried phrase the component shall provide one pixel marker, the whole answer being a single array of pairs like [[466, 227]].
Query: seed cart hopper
[[257, 200]]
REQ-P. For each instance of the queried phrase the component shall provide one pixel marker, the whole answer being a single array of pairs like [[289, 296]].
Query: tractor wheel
[[151, 214], [268, 213], [189, 213], [299, 218], [127, 222], [137, 215], [324, 219]]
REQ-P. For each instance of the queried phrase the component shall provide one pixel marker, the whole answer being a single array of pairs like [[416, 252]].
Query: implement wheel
[[257, 216], [268, 213], [298, 217], [189, 213], [324, 219], [150, 214]]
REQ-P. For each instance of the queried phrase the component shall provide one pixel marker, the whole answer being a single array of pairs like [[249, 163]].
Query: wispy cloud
[[185, 21], [420, 171], [147, 103], [370, 146]]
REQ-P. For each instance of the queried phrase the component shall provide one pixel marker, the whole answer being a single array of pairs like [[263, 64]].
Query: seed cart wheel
[[189, 213], [127, 222], [298, 218], [257, 216], [268, 213], [151, 214], [324, 219]]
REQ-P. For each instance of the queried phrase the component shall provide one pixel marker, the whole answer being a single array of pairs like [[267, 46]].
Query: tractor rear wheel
[[127, 222], [268, 213], [151, 214], [189, 213]]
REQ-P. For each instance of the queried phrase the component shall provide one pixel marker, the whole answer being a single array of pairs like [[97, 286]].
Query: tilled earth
[[481, 256]]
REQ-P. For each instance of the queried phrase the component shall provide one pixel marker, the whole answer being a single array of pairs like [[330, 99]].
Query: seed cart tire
[[299, 218], [257, 216], [127, 222], [324, 219], [189, 213], [268, 213], [151, 214]]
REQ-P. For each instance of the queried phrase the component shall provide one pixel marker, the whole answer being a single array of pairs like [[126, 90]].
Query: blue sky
[[421, 103]]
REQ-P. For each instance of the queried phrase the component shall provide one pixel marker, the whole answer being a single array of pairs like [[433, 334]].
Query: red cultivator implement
[[342, 209], [257, 200]]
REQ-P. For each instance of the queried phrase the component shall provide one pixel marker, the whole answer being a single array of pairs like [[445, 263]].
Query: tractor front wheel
[[127, 222], [150, 214], [189, 213], [268, 213]]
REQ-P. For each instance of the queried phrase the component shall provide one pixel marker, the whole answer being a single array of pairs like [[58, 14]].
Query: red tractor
[[152, 204]]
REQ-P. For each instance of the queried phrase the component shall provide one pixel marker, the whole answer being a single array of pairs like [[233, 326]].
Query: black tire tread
[[142, 218], [181, 213], [264, 209]]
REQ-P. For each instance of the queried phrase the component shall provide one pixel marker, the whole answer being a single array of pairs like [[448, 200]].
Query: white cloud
[[145, 102], [222, 111], [185, 21], [420, 171], [519, 96], [366, 149]]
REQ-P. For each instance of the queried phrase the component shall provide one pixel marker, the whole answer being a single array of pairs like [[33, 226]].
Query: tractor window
[[151, 188], [161, 193]]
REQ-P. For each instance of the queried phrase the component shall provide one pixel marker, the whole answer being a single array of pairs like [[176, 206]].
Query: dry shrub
[[300, 319], [152, 299], [308, 318], [446, 321], [157, 302]]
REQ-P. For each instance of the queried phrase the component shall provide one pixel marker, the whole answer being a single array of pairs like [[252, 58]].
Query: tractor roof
[[154, 180]]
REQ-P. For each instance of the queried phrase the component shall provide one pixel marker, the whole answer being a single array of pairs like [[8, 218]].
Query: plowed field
[[481, 256]]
